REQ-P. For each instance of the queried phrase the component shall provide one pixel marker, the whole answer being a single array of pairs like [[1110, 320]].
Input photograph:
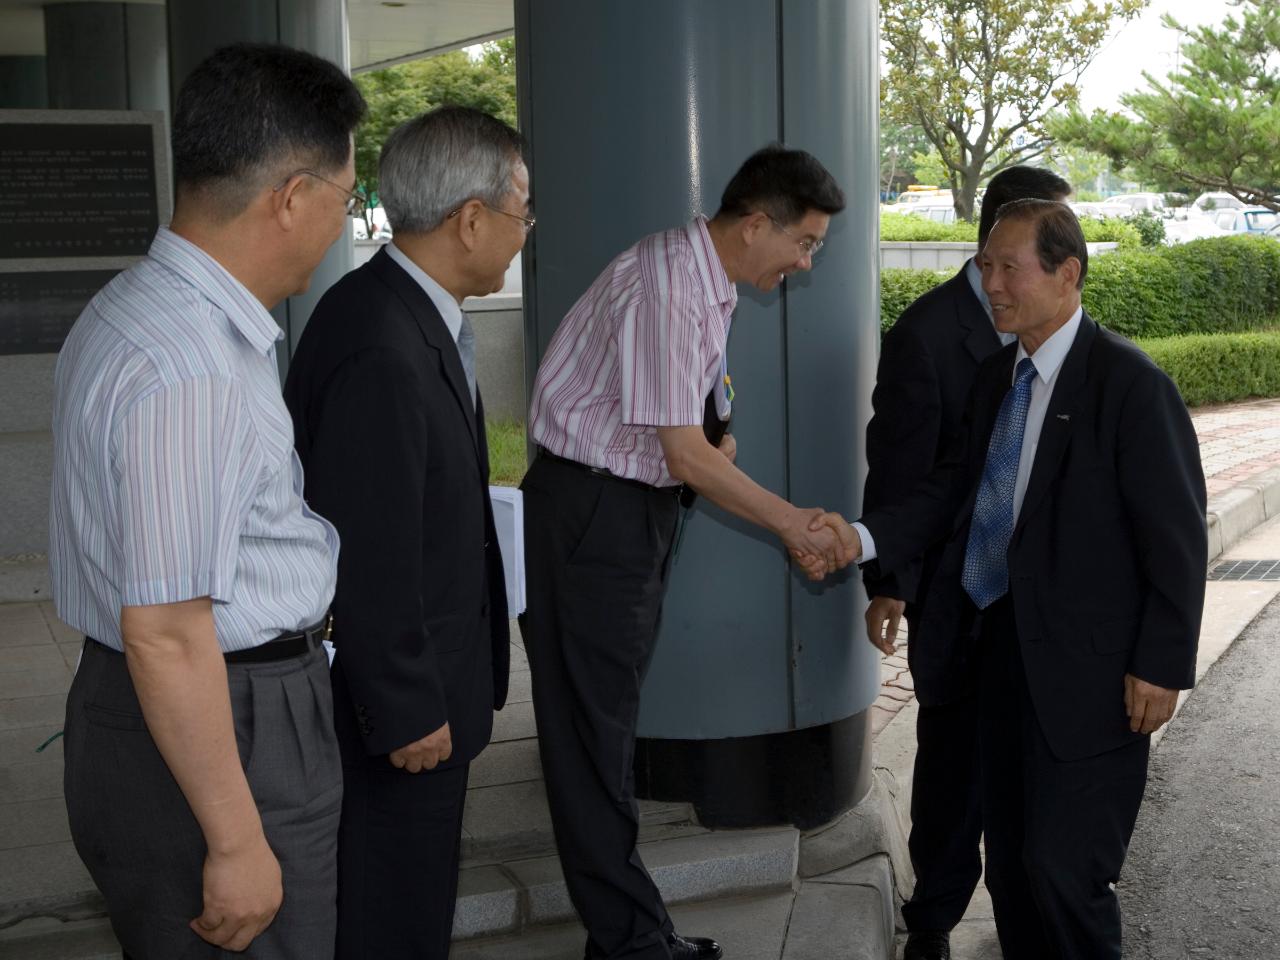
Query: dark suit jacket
[[396, 459], [928, 360], [1107, 559]]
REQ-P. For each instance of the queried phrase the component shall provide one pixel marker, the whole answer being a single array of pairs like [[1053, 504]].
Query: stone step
[[506, 898], [749, 928], [49, 939]]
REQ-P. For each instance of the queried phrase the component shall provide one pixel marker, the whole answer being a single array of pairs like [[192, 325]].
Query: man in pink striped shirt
[[618, 414]]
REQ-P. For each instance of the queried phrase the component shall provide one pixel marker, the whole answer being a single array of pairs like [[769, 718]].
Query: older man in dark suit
[[927, 363], [1073, 514], [390, 429]]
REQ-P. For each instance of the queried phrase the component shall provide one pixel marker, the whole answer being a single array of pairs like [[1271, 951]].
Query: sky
[[1143, 45]]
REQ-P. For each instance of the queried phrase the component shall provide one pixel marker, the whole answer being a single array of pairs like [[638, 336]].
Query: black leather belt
[[602, 472], [286, 646]]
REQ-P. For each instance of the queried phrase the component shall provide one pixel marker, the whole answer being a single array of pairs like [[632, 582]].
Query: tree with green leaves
[[899, 144], [397, 94], [980, 76], [1213, 124]]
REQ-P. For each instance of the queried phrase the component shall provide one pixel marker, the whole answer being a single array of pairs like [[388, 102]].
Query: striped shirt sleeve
[[187, 463], [660, 347]]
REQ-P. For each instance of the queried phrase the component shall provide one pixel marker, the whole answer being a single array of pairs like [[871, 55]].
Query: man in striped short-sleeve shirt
[[203, 782], [618, 413]]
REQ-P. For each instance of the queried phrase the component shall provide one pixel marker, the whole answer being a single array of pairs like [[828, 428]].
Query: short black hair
[[1018, 183], [250, 107], [785, 184], [1058, 233]]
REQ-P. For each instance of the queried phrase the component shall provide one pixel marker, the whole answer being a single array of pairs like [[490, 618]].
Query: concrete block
[[838, 920], [33, 781], [47, 938], [1268, 484], [749, 928], [700, 867], [488, 904], [1215, 536], [877, 825], [29, 823], [520, 687], [19, 746], [24, 579], [35, 683], [26, 465], [874, 873], [41, 656], [26, 392], [46, 880], [24, 633], [545, 896], [507, 811], [514, 722], [513, 761], [1239, 510], [723, 863]]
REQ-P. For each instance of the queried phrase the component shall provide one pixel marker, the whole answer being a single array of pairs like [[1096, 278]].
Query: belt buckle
[[327, 631]]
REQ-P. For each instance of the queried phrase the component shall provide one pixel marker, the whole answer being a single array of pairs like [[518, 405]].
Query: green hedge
[[1218, 285], [910, 227], [1219, 368]]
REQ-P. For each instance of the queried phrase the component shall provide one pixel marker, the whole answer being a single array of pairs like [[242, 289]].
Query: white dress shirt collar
[[1049, 355], [449, 309]]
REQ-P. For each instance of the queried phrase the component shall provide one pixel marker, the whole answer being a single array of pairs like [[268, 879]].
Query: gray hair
[[433, 164]]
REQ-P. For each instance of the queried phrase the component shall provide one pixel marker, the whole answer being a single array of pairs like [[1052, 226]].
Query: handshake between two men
[[829, 543]]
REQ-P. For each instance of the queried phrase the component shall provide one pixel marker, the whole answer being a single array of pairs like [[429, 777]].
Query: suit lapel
[[434, 331], [1059, 420], [980, 337]]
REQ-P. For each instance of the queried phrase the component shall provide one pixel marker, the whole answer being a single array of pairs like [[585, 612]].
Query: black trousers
[[946, 816], [398, 848], [1056, 831], [597, 551]]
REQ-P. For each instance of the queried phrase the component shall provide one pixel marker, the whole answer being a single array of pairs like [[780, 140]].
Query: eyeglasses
[[527, 221], [810, 247], [357, 202]]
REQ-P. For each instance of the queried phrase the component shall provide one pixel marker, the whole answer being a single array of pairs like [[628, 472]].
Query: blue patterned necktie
[[986, 562]]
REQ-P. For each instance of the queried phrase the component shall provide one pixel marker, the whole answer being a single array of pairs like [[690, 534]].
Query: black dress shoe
[[928, 946], [693, 948]]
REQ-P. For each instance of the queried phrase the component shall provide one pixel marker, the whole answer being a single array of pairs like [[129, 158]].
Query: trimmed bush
[[900, 287], [1219, 368], [913, 228], [1217, 285]]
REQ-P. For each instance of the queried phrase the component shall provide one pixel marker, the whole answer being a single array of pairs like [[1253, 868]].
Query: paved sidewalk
[[511, 877]]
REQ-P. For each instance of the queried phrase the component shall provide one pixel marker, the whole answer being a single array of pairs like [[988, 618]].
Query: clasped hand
[[820, 542], [425, 754]]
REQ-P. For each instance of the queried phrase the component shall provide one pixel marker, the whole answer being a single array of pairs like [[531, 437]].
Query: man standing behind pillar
[[201, 763], [617, 411], [390, 428], [1073, 511], [927, 363]]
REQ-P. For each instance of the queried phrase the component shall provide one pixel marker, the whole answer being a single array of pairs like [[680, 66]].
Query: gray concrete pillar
[[755, 703], [106, 56], [197, 28]]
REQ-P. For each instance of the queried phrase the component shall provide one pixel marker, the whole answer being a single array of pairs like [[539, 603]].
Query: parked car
[[1208, 202], [1101, 209], [1140, 202], [1246, 219], [937, 209], [1195, 227]]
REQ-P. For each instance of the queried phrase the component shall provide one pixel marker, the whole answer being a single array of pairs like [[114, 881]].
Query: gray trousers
[[135, 832]]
